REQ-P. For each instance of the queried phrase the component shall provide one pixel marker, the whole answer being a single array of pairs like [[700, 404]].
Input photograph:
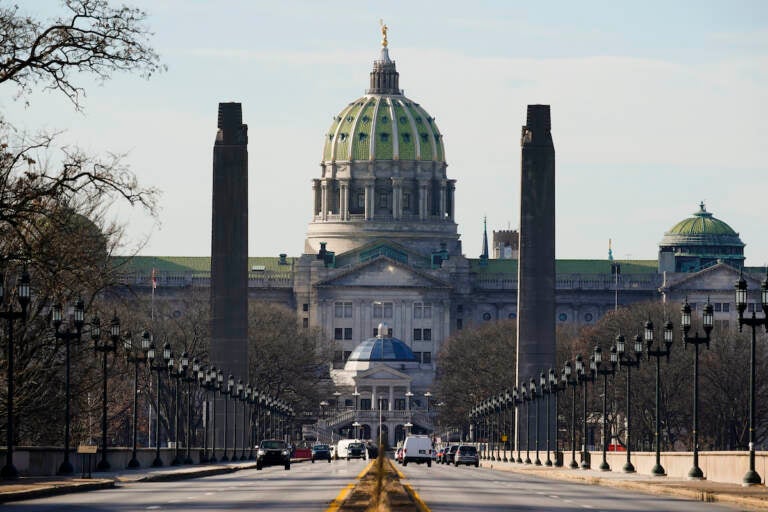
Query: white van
[[417, 449], [343, 451]]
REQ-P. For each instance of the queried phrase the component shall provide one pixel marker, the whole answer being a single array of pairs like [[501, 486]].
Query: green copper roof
[[383, 127], [494, 266], [193, 263], [702, 223]]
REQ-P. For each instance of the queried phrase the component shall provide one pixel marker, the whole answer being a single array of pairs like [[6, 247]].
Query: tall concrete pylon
[[536, 264], [229, 252]]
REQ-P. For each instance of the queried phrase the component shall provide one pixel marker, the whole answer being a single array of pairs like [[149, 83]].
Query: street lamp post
[[629, 363], [202, 381], [546, 388], [214, 385], [536, 397], [189, 378], [568, 371], [555, 389], [605, 371], [137, 355], [9, 471], [517, 401], [175, 373], [356, 394], [245, 395], [586, 375], [428, 395], [67, 336], [527, 397], [751, 477], [158, 366], [408, 425], [658, 353], [236, 396], [695, 472], [226, 388], [503, 424], [105, 347]]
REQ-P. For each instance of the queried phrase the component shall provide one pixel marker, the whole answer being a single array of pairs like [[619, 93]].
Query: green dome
[[383, 127], [702, 223], [383, 124]]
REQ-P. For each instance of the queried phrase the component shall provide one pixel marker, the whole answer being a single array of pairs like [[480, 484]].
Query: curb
[[702, 495], [55, 490]]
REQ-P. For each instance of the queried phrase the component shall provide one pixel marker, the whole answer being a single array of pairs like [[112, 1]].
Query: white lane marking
[[153, 507], [554, 496], [210, 493], [587, 506]]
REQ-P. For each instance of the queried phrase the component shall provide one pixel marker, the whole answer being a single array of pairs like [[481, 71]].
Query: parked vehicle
[[417, 449], [466, 454], [273, 452], [356, 451], [343, 449], [449, 453], [321, 452]]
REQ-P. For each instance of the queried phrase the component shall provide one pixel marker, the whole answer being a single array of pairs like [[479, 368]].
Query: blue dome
[[382, 349]]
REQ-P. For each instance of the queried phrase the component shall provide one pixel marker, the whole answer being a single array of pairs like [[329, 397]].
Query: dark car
[[321, 452], [450, 452], [273, 452], [356, 451], [466, 455]]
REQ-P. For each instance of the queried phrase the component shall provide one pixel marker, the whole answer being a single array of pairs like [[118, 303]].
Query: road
[[306, 487], [450, 489]]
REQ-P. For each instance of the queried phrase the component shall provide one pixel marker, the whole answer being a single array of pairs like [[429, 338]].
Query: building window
[[718, 306], [347, 333], [361, 200], [417, 335], [338, 356], [305, 322], [382, 310], [383, 200], [459, 324], [422, 310], [722, 325], [375, 332], [365, 404], [726, 307], [562, 317], [427, 334], [417, 355], [406, 200], [347, 353], [512, 316], [399, 404], [588, 317], [426, 357], [342, 309], [486, 316], [459, 309], [305, 307], [338, 333]]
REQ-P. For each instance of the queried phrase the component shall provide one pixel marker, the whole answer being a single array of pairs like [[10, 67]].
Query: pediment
[[384, 272], [381, 373], [717, 277]]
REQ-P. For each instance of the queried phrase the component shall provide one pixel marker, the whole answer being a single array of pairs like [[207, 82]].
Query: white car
[[417, 449]]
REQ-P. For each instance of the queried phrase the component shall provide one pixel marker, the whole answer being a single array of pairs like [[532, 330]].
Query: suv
[[449, 454], [273, 452], [356, 451], [321, 452], [466, 454], [417, 449]]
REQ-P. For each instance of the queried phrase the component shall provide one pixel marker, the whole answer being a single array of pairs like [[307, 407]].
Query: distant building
[[382, 247]]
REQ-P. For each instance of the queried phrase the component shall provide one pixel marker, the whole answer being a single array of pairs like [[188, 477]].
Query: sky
[[656, 106]]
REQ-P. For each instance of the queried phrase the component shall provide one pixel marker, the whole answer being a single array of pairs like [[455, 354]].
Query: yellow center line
[[410, 490], [339, 499]]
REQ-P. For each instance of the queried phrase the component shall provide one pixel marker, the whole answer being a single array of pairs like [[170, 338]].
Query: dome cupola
[[699, 242], [383, 173]]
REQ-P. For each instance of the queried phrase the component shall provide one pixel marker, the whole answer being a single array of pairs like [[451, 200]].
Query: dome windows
[[362, 137], [350, 119], [418, 119], [384, 119], [366, 119], [343, 136], [403, 120], [424, 137], [406, 137], [384, 137]]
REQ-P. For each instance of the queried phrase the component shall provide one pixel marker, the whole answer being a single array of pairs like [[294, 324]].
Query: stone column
[[316, 197], [324, 200], [452, 196], [374, 405], [391, 397], [397, 198], [442, 199], [423, 210], [344, 199]]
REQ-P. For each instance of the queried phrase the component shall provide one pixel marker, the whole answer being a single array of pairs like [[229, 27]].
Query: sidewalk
[[751, 498], [26, 488]]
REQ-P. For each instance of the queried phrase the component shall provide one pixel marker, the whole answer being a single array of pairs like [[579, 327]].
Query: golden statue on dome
[[383, 33]]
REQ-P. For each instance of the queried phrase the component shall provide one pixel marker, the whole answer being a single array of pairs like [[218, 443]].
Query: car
[[343, 449], [356, 451], [449, 453], [321, 452], [466, 454], [273, 452], [417, 449]]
